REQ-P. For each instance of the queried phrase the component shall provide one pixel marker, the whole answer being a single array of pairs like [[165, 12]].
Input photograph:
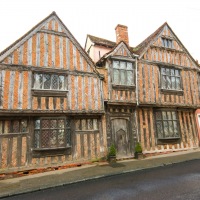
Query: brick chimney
[[121, 33]]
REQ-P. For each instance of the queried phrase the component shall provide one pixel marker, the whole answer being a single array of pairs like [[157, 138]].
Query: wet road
[[177, 181]]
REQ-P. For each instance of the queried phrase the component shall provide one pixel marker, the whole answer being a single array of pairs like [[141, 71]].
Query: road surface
[[171, 182]]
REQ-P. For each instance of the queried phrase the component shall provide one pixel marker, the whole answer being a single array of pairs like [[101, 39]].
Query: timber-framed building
[[51, 103], [150, 91], [61, 104]]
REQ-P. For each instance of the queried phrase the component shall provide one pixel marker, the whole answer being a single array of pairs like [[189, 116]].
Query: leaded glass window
[[170, 79], [52, 133], [123, 73], [49, 82], [167, 125]]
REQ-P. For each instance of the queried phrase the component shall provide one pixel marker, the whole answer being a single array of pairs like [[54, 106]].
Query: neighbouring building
[[51, 103], [150, 91]]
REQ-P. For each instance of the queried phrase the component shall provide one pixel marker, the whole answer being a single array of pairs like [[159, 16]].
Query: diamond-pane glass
[[47, 81], [38, 81], [53, 123], [167, 125], [45, 139], [45, 123], [53, 133], [37, 135], [168, 82], [15, 126], [55, 82], [67, 123], [116, 64], [174, 115], [61, 138], [61, 123], [171, 130], [159, 129], [122, 65], [178, 84], [169, 117], [61, 82], [163, 70], [164, 82], [90, 124], [37, 124], [129, 65], [68, 137], [173, 83], [116, 76], [123, 77], [172, 79], [158, 116], [129, 77]]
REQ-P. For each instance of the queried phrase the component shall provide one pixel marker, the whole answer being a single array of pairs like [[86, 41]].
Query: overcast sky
[[99, 18]]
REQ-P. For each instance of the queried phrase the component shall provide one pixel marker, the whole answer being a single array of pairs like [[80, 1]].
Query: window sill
[[170, 140], [123, 87], [39, 152], [166, 91], [87, 131], [49, 93]]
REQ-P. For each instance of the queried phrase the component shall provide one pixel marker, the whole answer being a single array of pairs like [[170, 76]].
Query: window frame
[[114, 84], [51, 91], [165, 42], [167, 140], [177, 91], [40, 148]]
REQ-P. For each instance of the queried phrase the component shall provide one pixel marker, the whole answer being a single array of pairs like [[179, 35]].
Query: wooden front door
[[120, 135]]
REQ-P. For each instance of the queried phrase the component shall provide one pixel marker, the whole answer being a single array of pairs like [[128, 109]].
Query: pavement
[[97, 170]]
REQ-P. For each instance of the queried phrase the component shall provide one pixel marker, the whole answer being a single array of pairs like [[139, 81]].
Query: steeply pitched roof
[[26, 34], [144, 44], [137, 50], [102, 59], [101, 41]]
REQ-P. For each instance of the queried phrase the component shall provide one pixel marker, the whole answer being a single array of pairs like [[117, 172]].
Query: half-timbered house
[[51, 102], [150, 91]]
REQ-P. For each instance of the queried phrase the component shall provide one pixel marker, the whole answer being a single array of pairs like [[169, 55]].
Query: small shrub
[[112, 150], [138, 148]]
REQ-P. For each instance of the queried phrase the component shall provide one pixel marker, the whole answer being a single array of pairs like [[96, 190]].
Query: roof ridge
[[99, 38], [147, 40], [27, 33]]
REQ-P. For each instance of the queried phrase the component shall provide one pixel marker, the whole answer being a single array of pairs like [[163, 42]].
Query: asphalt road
[[177, 181]]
